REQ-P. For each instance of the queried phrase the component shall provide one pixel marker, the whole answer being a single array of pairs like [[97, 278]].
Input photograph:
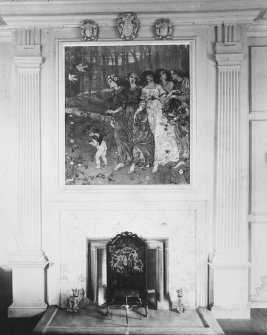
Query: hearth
[[95, 321]]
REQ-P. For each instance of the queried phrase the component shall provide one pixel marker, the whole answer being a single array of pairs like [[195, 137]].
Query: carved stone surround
[[183, 229]]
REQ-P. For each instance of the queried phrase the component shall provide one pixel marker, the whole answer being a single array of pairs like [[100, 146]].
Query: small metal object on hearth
[[73, 301]]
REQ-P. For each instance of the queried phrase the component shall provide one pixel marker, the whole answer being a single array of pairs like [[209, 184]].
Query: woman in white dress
[[152, 97]]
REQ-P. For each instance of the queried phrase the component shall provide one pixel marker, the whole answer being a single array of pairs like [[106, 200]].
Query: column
[[102, 275], [229, 264], [28, 263], [93, 274]]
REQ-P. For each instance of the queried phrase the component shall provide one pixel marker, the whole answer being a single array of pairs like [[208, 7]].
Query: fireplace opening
[[157, 271]]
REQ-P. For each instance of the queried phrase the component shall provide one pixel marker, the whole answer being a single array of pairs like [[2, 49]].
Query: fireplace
[[177, 256], [157, 270]]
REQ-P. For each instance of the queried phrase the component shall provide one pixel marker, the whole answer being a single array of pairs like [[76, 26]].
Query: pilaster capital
[[32, 258], [229, 61], [229, 54], [229, 47], [28, 62], [28, 56]]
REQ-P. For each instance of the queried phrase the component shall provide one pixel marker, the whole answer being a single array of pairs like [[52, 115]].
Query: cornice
[[102, 6], [28, 62], [147, 19], [258, 28]]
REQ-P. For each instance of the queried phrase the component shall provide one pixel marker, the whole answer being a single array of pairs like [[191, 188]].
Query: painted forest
[[88, 97]]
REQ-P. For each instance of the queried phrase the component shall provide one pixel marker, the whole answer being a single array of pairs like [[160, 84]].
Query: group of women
[[151, 122]]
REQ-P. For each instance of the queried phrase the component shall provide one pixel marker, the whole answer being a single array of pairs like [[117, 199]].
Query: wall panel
[[258, 173]]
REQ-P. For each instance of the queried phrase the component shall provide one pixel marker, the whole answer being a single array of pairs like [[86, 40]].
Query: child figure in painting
[[101, 152]]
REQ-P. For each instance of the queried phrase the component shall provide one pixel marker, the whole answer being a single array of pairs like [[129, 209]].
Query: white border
[[183, 189]]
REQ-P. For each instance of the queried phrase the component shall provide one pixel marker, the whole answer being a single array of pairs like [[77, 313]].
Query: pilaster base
[[228, 287], [28, 285], [16, 311]]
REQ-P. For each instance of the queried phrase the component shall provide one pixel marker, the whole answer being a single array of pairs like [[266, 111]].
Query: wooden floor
[[257, 325]]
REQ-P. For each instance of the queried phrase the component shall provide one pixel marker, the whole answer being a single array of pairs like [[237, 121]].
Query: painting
[[127, 113]]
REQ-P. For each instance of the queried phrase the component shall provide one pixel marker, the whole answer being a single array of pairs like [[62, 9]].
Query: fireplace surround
[[177, 255]]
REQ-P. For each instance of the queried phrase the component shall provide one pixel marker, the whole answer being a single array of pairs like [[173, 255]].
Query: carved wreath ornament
[[163, 30], [89, 30], [128, 26]]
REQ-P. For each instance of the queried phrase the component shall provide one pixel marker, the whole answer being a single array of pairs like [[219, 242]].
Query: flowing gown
[[166, 149], [143, 139], [182, 126], [122, 133]]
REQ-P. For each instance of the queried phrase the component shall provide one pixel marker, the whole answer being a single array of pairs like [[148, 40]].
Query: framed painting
[[127, 113]]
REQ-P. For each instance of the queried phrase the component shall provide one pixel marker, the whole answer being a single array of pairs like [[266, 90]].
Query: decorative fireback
[[126, 263]]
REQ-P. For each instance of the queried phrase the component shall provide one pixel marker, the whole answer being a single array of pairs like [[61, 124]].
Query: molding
[[258, 218], [229, 60], [26, 258], [12, 7], [229, 258], [69, 16], [24, 50], [258, 304], [28, 62], [258, 28], [5, 34], [258, 116], [245, 265], [229, 47], [15, 311]]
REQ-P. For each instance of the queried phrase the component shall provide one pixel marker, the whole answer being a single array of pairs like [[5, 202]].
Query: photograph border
[[180, 188]]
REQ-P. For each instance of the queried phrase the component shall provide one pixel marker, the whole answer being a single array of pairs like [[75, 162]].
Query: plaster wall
[[258, 197]]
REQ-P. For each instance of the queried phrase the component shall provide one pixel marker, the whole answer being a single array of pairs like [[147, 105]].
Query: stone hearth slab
[[94, 321]]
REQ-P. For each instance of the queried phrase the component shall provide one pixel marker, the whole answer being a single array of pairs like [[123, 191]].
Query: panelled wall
[[58, 220], [258, 171]]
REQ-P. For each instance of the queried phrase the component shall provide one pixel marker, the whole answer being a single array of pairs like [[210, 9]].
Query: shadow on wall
[[5, 296], [5, 287]]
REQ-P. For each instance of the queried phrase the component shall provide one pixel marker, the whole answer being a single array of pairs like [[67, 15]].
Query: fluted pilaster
[[228, 268], [228, 187], [28, 88], [28, 262]]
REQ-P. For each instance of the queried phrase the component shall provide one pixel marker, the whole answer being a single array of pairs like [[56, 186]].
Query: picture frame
[[80, 170]]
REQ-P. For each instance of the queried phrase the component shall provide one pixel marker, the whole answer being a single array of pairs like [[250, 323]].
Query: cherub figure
[[101, 152]]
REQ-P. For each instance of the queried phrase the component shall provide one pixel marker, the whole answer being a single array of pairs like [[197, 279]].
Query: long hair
[[158, 75], [145, 74]]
